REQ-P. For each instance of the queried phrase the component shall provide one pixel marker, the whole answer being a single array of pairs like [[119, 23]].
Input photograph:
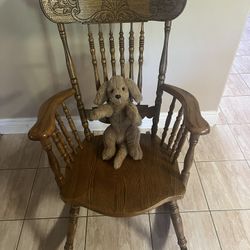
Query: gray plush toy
[[114, 101]]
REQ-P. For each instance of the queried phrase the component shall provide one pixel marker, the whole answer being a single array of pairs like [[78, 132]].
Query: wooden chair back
[[109, 12]]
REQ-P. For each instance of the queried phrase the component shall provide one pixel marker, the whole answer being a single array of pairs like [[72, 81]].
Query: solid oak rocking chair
[[88, 181]]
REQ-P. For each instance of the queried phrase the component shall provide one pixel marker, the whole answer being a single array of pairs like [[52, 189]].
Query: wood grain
[[114, 11], [161, 77], [136, 187], [45, 124]]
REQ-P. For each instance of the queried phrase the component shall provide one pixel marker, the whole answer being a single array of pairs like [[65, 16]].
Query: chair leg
[[74, 212], [178, 226]]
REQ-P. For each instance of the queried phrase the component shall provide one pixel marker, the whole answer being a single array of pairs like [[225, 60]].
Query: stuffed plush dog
[[124, 118]]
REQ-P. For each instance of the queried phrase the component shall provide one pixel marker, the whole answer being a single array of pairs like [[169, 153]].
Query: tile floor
[[215, 210]]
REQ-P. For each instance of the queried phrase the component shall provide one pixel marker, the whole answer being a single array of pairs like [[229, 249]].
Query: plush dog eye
[[111, 91], [123, 88]]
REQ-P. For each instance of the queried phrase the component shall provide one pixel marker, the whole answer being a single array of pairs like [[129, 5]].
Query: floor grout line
[[237, 143], [208, 206], [26, 210], [150, 213], [206, 211], [235, 160], [224, 96], [150, 231], [31, 191], [240, 75], [42, 218], [86, 231], [16, 169]]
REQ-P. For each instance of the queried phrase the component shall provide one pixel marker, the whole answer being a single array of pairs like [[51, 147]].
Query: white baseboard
[[22, 125]]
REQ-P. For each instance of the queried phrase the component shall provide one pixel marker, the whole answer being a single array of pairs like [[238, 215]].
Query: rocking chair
[[88, 181]]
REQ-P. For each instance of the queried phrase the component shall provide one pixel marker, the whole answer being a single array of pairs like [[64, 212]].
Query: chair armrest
[[45, 125], [194, 122]]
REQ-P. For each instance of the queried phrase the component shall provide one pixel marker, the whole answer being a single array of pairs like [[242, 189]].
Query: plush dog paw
[[136, 153], [117, 163], [108, 153], [93, 115]]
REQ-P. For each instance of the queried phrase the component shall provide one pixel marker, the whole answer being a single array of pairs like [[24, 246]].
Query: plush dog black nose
[[117, 96]]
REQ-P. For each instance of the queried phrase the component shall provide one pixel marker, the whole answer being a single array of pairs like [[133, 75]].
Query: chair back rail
[[161, 77], [140, 59], [74, 80], [131, 52], [122, 50], [108, 12], [103, 54], [93, 55], [111, 11], [112, 49]]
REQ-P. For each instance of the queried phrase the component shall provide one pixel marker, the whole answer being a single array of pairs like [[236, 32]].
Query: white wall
[[203, 43]]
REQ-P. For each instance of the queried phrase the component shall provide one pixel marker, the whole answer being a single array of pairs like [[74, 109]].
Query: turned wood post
[[47, 146], [189, 158], [74, 213], [74, 80], [122, 50], [93, 56], [178, 225], [112, 50], [131, 52], [140, 59], [161, 78]]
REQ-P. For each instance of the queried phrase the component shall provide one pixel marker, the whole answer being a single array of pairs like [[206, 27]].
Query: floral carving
[[62, 7], [111, 11]]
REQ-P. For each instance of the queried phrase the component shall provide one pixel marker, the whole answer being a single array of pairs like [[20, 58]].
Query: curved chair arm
[[194, 122], [45, 125]]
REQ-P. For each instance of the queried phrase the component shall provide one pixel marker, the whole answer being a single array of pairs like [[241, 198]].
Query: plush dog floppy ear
[[101, 95], [133, 90]]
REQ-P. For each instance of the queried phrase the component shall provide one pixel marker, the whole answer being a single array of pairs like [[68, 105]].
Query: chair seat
[[136, 187]]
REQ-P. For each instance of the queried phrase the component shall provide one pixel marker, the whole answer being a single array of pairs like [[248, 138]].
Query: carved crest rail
[[111, 11]]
